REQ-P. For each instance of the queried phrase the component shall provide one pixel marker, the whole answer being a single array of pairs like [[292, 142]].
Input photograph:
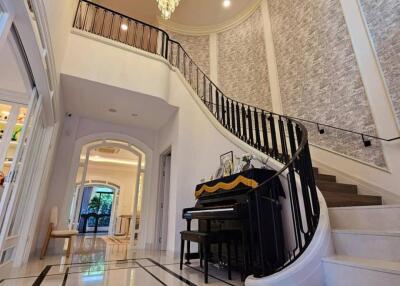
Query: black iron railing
[[280, 137]]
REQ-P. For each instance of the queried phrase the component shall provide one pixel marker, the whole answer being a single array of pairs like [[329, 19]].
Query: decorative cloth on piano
[[249, 179]]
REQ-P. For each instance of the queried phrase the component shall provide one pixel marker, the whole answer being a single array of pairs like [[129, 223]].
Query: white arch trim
[[142, 147]]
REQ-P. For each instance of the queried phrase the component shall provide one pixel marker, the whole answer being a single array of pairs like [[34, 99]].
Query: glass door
[[30, 129], [12, 119]]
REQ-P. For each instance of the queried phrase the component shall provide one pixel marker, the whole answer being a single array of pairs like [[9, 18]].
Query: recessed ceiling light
[[226, 3], [124, 27], [112, 110]]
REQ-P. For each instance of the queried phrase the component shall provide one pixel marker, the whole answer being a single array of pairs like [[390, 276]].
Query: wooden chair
[[52, 233]]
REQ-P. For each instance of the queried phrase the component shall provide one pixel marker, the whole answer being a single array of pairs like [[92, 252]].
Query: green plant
[[95, 204]]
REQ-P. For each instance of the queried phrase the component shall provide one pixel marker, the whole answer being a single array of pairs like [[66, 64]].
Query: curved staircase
[[286, 141]]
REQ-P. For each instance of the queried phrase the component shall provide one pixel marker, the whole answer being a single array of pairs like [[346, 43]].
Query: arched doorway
[[119, 167]]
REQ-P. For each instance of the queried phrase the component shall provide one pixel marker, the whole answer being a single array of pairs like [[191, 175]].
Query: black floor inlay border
[[45, 272], [210, 275], [41, 276], [149, 272], [172, 272], [65, 277]]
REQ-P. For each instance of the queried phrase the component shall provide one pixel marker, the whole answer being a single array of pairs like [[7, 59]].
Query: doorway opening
[[96, 209], [163, 200], [108, 191]]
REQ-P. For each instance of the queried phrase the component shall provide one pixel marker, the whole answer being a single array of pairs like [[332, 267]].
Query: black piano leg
[[201, 254], [228, 248], [236, 252], [182, 250], [206, 257], [219, 252], [188, 253]]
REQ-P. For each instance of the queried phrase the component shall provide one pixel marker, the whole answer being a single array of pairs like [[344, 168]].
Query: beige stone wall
[[198, 48], [242, 63], [383, 21], [319, 75]]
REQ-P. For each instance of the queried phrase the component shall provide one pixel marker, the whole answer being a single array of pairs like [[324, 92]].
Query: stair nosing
[[362, 263], [394, 233], [366, 207]]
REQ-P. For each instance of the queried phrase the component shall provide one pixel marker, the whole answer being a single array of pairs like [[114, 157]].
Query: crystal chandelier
[[167, 7]]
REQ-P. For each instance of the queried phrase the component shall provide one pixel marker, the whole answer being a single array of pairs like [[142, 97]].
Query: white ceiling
[[188, 13], [208, 12], [93, 100]]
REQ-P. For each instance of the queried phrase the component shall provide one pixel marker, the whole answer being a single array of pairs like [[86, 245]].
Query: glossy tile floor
[[102, 261]]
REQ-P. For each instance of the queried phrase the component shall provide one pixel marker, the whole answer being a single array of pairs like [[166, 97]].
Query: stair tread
[[368, 232], [342, 199], [366, 207], [325, 178], [365, 263]]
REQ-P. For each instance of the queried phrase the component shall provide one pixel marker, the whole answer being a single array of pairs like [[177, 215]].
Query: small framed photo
[[226, 162]]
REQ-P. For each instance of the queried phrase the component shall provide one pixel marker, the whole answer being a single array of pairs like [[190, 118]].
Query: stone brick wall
[[319, 76], [383, 21], [198, 48], [242, 63]]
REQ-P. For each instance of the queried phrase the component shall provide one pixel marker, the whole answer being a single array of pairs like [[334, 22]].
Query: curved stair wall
[[273, 137]]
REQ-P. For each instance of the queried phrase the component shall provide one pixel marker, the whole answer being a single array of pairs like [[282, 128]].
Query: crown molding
[[206, 30]]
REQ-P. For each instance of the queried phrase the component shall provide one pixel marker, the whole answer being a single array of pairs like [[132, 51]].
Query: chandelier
[[167, 7]]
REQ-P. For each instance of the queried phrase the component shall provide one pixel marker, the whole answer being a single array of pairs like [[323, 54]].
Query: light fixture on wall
[[124, 27], [167, 7], [226, 3]]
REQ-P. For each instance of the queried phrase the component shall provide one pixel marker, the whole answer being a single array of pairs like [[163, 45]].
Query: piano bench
[[205, 239]]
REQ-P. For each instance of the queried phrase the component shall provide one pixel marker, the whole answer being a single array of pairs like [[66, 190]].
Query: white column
[[214, 57], [271, 60], [371, 74]]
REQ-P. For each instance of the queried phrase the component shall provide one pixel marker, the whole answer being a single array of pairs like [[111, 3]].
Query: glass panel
[[6, 255], [16, 133], [10, 181], [5, 110], [28, 179]]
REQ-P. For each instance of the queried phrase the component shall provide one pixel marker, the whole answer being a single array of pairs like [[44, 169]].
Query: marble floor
[[104, 261]]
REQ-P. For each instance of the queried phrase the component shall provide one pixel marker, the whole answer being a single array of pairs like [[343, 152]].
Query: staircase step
[[386, 217], [323, 177], [346, 270], [340, 199], [372, 244], [336, 187]]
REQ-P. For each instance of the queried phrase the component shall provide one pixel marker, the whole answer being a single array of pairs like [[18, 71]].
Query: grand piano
[[241, 202]]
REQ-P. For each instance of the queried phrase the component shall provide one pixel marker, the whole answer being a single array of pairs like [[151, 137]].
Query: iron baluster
[[250, 125], [265, 132], [233, 118], [257, 130], [244, 130]]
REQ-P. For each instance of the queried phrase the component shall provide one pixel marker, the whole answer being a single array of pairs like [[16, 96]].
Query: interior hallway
[[104, 260]]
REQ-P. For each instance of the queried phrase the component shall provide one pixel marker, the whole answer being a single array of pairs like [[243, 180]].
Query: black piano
[[235, 203]]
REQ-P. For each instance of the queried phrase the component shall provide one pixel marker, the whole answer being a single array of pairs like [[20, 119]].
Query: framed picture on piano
[[226, 162]]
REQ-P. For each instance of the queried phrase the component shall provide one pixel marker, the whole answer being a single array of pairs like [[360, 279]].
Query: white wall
[[101, 61]]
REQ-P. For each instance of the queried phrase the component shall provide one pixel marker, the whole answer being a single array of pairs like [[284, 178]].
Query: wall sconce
[[320, 130], [366, 142]]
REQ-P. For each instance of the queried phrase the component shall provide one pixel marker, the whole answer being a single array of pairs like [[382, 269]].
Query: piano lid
[[249, 179]]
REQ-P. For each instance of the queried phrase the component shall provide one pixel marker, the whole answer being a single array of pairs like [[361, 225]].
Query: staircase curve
[[272, 136]]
